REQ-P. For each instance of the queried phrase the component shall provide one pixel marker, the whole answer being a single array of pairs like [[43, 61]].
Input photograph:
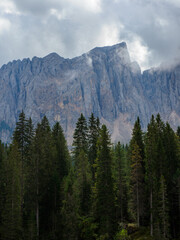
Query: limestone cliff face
[[161, 88], [103, 81]]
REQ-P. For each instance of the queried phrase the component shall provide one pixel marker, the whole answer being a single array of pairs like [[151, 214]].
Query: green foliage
[[141, 234], [69, 210], [105, 197], [119, 171], [11, 227], [48, 194], [163, 210], [122, 235], [80, 137], [137, 194], [137, 178], [87, 228], [93, 134]]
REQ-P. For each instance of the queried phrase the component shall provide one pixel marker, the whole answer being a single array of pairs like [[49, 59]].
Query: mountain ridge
[[103, 81]]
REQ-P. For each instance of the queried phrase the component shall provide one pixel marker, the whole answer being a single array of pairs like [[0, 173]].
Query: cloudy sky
[[151, 28]]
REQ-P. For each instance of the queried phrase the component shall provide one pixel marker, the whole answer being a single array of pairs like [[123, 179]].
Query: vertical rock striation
[[103, 81]]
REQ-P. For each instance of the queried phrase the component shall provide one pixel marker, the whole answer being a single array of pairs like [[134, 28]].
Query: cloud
[[7, 7], [139, 52], [70, 28], [4, 25]]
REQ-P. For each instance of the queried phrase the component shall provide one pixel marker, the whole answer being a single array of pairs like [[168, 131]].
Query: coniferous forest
[[96, 191]]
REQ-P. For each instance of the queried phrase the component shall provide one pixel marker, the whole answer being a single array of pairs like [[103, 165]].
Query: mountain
[[103, 81]]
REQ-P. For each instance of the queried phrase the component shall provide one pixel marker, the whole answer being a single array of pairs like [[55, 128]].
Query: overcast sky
[[151, 28]]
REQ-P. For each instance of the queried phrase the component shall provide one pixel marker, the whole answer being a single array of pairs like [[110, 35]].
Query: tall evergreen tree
[[119, 173], [171, 172], [11, 214], [137, 137], [80, 137], [163, 210], [28, 220], [137, 154], [61, 168], [93, 134], [69, 210], [104, 186], [20, 137], [151, 178], [2, 175], [137, 178], [178, 131], [62, 153], [82, 188], [83, 184], [42, 170]]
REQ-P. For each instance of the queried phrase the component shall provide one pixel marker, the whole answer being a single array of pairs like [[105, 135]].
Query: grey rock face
[[103, 81]]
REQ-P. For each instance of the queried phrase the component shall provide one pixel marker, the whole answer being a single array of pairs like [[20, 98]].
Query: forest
[[95, 190]]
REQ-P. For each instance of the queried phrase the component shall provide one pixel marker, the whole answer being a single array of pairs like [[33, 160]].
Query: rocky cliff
[[103, 81]]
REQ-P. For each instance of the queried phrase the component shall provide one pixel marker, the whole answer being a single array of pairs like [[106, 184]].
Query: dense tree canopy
[[98, 191]]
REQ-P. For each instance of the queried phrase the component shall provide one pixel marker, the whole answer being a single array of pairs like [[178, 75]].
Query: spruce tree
[[20, 137], [163, 209], [80, 137], [93, 134], [69, 210], [2, 159], [82, 188], [178, 131], [104, 187], [137, 178], [11, 213], [137, 137], [60, 171], [42, 170], [171, 174], [151, 178], [119, 175], [137, 148], [62, 153]]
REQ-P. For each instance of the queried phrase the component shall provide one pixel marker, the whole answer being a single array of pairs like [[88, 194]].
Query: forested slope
[[99, 190]]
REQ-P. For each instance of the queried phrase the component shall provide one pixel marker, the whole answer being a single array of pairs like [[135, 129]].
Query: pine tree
[[20, 137], [104, 186], [2, 159], [42, 175], [11, 213], [178, 131], [136, 182], [137, 147], [83, 184], [93, 134], [82, 188], [119, 173], [163, 210], [80, 137], [151, 178], [69, 210], [62, 153], [29, 138], [61, 169], [171, 173], [137, 137], [28, 216]]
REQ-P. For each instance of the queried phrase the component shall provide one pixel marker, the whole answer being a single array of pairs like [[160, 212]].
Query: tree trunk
[[164, 223], [37, 199], [137, 195], [151, 208]]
